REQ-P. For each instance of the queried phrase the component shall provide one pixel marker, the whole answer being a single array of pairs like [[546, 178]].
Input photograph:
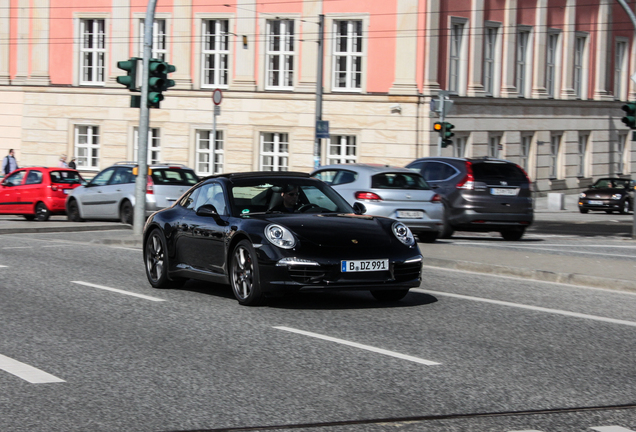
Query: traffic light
[[630, 114], [445, 131], [158, 81], [130, 80]]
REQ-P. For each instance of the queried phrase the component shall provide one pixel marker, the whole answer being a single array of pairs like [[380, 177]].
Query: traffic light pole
[[442, 117], [139, 216]]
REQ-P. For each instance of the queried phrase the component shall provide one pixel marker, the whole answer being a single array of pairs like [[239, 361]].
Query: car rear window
[[174, 176], [484, 171], [398, 181], [65, 177]]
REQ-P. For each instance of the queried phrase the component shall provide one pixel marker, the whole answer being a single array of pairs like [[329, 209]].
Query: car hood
[[339, 230]]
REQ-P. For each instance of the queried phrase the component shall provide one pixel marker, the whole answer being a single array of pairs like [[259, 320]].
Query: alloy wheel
[[155, 258], [242, 273], [41, 212]]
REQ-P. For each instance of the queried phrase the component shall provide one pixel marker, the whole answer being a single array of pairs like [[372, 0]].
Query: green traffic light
[[130, 80], [630, 115], [155, 97]]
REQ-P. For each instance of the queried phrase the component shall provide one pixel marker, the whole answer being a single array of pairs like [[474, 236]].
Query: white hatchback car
[[394, 192], [111, 193]]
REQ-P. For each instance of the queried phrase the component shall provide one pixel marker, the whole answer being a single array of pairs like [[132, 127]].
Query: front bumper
[[606, 204], [470, 220]]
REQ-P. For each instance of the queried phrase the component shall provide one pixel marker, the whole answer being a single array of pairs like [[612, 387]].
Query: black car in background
[[480, 194], [276, 232], [609, 195]]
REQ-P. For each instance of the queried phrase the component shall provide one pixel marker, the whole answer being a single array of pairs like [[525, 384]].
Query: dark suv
[[481, 194]]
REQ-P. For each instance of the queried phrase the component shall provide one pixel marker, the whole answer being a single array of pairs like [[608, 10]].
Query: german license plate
[[595, 202], [365, 265], [504, 191], [410, 214]]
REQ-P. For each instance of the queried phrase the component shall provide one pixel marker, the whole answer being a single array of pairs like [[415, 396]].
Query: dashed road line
[[361, 346], [118, 291], [26, 372]]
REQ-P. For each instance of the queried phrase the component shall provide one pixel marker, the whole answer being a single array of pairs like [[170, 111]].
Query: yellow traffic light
[[438, 126]]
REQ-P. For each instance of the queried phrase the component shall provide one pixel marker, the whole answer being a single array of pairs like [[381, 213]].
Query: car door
[[202, 238], [120, 185], [32, 190], [10, 194], [93, 201]]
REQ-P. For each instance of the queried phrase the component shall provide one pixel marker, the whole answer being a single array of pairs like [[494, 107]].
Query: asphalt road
[[87, 344]]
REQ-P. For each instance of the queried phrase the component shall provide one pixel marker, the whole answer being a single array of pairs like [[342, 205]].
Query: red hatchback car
[[37, 192]]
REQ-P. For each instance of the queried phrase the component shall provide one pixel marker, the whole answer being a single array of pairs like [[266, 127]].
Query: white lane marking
[[611, 429], [118, 291], [1, 266], [531, 280], [528, 307], [18, 247], [521, 248], [361, 346], [551, 245], [26, 372]]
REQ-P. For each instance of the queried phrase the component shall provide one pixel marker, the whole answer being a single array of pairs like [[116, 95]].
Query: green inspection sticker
[[245, 211]]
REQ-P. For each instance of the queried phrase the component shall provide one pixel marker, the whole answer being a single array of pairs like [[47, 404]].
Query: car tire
[[156, 260], [447, 229], [583, 210], [625, 207], [426, 236], [609, 211], [126, 213], [513, 234], [72, 212], [390, 295], [29, 217], [42, 213], [244, 275]]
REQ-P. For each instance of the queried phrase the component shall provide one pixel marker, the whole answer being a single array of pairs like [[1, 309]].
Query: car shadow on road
[[317, 300]]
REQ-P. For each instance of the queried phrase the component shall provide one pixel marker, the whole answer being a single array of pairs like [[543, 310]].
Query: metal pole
[[139, 216], [632, 17], [321, 40]]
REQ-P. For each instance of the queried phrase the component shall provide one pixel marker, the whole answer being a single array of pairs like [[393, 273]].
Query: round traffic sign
[[217, 97]]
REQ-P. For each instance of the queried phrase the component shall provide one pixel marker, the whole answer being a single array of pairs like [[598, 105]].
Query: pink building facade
[[538, 82]]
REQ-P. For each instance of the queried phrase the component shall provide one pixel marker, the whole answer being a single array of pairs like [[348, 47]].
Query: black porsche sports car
[[609, 195], [269, 233]]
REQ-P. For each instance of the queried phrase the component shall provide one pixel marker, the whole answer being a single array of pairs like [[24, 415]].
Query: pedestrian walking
[[72, 164], [62, 163], [9, 163]]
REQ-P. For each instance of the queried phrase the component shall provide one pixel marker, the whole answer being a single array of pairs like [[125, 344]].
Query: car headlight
[[617, 196], [280, 236], [403, 233], [582, 195]]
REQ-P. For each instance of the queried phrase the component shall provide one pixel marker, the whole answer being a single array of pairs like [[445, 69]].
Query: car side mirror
[[359, 208], [208, 210]]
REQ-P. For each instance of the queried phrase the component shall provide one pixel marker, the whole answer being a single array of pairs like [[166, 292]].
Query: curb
[[134, 242], [63, 229], [539, 275]]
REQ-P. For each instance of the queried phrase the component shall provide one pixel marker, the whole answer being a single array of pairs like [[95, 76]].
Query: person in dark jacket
[[9, 163]]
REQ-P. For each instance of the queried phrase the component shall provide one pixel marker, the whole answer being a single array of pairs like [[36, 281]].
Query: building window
[[274, 151], [579, 52], [494, 146], [523, 38], [342, 149], [620, 66], [459, 149], [159, 48], [550, 64], [524, 153], [93, 51], [280, 54], [555, 146], [490, 46], [455, 63], [154, 146], [347, 55], [582, 154], [87, 146], [209, 155], [620, 153], [216, 51]]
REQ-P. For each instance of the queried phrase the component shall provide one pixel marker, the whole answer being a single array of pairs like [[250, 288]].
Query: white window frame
[[345, 148], [621, 56], [554, 170], [96, 52], [279, 152], [621, 146], [353, 55], [491, 37], [459, 147], [89, 162], [525, 149], [580, 56], [285, 55], [159, 39], [552, 64], [523, 69], [212, 157], [218, 51], [154, 145], [458, 55], [495, 147], [582, 153]]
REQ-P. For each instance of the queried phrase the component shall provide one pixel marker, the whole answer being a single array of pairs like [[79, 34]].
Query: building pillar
[[22, 57], [569, 48], [406, 48], [476, 59], [540, 37], [431, 47], [309, 46], [244, 63], [603, 52], [120, 40], [181, 51], [509, 48], [5, 7], [39, 74]]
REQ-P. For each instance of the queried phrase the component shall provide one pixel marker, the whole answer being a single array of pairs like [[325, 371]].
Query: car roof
[[370, 169], [464, 159], [46, 168], [256, 174]]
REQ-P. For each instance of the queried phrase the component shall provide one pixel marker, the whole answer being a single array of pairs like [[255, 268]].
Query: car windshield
[[174, 176], [65, 177], [266, 195], [611, 184], [399, 181]]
